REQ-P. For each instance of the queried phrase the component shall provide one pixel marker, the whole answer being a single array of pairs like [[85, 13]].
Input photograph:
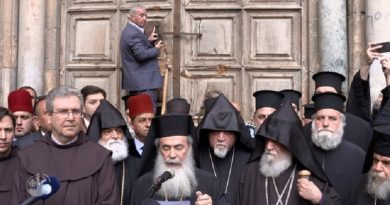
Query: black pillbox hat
[[268, 98], [329, 101], [328, 78]]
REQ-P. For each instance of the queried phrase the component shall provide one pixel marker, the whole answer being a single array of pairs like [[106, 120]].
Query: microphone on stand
[[48, 187], [161, 179]]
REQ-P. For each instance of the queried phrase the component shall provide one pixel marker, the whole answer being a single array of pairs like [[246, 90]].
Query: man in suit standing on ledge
[[141, 72]]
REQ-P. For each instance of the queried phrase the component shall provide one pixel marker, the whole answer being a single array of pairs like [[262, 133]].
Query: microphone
[[48, 187], [161, 179], [164, 177]]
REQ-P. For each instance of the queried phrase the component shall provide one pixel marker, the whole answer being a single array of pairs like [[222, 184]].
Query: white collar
[[139, 145], [139, 28], [60, 143]]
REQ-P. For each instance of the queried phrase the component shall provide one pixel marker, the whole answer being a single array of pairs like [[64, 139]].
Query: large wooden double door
[[232, 46]]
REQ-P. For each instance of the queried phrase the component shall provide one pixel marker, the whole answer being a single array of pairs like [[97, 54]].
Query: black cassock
[[359, 195], [207, 184], [126, 180], [342, 165], [253, 188], [223, 167], [359, 100]]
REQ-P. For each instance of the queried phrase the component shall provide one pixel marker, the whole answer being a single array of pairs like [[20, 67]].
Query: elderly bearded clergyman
[[174, 152]]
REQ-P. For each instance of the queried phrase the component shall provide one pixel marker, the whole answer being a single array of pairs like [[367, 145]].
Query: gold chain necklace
[[123, 181]]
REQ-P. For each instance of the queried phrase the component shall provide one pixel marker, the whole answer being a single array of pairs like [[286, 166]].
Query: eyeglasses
[[66, 113]]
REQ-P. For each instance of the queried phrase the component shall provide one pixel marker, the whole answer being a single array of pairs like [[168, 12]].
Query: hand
[[154, 35], [203, 199], [309, 191], [159, 44], [372, 53], [386, 68]]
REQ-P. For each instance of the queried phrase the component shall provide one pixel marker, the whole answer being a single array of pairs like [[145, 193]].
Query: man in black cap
[[178, 106], [267, 101], [224, 145], [308, 113], [109, 129], [374, 187], [174, 154], [357, 130], [294, 96], [341, 160], [274, 174]]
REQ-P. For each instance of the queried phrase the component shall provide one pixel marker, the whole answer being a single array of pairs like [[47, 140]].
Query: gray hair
[[62, 91], [134, 9]]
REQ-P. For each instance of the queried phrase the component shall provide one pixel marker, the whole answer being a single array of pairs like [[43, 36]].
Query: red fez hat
[[20, 100], [140, 104]]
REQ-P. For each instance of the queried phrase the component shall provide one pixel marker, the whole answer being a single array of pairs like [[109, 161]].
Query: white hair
[[119, 148], [184, 183], [325, 138], [378, 186]]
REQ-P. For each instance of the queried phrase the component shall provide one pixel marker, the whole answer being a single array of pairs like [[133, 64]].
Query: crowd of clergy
[[335, 150]]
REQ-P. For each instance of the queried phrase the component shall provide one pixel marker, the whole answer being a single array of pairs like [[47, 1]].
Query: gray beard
[[326, 139], [119, 148], [220, 152], [184, 182], [378, 187], [270, 167]]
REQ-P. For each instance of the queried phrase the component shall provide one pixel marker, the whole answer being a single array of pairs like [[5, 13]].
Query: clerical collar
[[139, 28], [139, 146], [62, 144]]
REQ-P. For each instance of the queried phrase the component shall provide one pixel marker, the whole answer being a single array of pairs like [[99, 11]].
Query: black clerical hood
[[285, 127], [106, 116], [380, 142], [223, 116]]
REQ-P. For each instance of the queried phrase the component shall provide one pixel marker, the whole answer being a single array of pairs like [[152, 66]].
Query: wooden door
[[245, 46]]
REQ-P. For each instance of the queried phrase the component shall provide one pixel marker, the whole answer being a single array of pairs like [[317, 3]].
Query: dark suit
[[28, 139], [139, 59]]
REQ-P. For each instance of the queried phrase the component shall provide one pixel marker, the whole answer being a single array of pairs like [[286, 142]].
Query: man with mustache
[[374, 187], [224, 145], [109, 129], [272, 174], [174, 145], [341, 160]]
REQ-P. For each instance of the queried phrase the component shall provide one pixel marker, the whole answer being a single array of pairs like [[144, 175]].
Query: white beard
[[119, 148], [377, 186], [271, 167], [326, 139], [184, 182], [220, 151]]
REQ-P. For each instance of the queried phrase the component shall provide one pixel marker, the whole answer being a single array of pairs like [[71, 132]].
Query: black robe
[[125, 181], [359, 195], [84, 169], [207, 184], [359, 99], [342, 165], [7, 175], [222, 167], [357, 131], [252, 189]]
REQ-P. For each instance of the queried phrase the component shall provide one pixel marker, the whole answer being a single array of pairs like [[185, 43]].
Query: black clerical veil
[[284, 127], [106, 116], [223, 116]]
